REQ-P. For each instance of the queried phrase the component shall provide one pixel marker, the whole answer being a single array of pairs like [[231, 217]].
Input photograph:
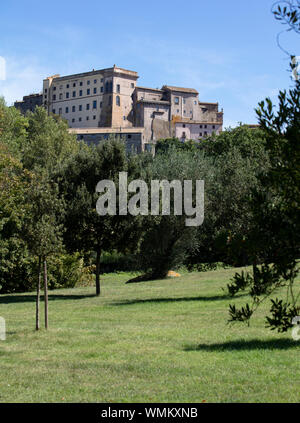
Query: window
[[80, 93], [213, 127], [67, 109], [101, 80], [45, 90], [118, 100], [73, 120], [184, 111], [54, 88], [87, 107], [54, 97], [205, 126], [67, 95], [176, 100], [100, 104], [80, 119], [129, 136], [177, 111], [200, 134], [60, 96], [61, 87], [205, 133], [81, 137], [60, 111], [94, 117], [80, 83], [94, 104], [191, 112], [53, 111], [87, 118], [74, 85], [45, 96], [88, 82], [101, 89], [184, 101], [80, 107], [68, 85], [200, 126], [74, 94], [73, 109], [132, 85], [183, 134], [95, 81], [95, 90], [118, 88], [183, 125], [124, 117], [88, 91]]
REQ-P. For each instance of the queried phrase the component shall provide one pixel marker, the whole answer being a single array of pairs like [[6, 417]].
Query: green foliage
[[48, 142], [13, 129], [166, 240], [66, 271], [282, 315], [163, 145], [273, 238], [78, 179]]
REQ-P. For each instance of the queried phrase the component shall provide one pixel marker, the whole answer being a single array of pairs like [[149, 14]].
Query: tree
[[274, 241], [48, 143], [85, 230], [167, 239], [237, 157], [43, 230], [15, 261]]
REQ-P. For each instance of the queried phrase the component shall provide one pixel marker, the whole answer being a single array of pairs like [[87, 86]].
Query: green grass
[[162, 341]]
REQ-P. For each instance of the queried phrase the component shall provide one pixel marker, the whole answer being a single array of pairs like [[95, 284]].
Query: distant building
[[29, 102], [108, 101]]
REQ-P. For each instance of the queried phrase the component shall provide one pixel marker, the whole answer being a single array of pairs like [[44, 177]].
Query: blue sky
[[227, 50]]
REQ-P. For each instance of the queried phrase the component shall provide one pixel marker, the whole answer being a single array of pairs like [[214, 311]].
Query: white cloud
[[23, 77]]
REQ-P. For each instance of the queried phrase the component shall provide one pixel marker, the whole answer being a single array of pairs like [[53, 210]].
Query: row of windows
[[108, 89], [87, 106], [88, 118], [176, 100], [74, 84], [201, 126], [184, 112], [88, 92], [200, 134]]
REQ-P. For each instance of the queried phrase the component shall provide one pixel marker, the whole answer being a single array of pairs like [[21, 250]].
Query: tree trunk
[[98, 272], [46, 293], [38, 290]]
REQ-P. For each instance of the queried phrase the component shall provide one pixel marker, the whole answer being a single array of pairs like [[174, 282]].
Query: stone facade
[[101, 98], [29, 102], [133, 137], [109, 98]]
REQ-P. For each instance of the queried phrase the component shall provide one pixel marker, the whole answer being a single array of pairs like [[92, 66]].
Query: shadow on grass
[[245, 345], [13, 298], [175, 300]]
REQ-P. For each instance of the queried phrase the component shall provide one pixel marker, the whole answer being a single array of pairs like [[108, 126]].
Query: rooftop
[[57, 77], [180, 89]]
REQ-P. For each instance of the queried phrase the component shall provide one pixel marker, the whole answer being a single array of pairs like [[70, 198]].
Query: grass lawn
[[162, 341]]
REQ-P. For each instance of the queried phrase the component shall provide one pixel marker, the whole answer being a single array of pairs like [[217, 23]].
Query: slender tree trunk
[[98, 272], [38, 290], [46, 293]]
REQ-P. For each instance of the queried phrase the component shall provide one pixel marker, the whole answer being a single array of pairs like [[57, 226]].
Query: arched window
[[118, 100]]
